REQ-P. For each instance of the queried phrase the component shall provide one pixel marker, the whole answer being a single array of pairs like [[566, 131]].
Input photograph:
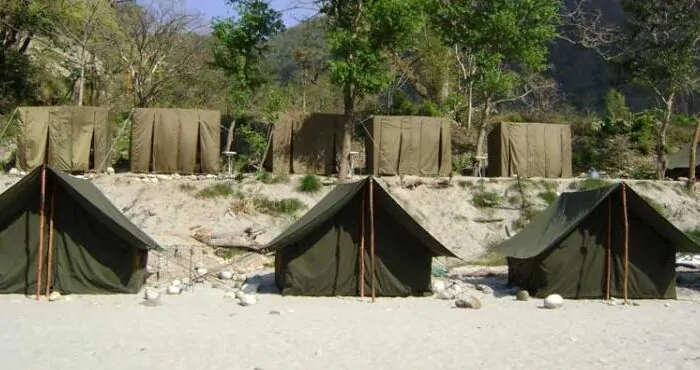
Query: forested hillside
[[624, 73]]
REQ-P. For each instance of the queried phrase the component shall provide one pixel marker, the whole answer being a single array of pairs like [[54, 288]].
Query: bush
[[217, 190], [187, 187], [270, 178], [309, 184], [548, 196], [286, 206], [485, 199]]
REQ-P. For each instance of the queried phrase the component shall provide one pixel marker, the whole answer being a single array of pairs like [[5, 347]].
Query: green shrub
[[286, 206], [548, 196], [217, 190], [270, 178], [486, 199], [309, 184]]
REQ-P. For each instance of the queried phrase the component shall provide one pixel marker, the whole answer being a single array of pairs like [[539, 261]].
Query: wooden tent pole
[[626, 236], [371, 236], [42, 205], [49, 263], [362, 247], [608, 252]]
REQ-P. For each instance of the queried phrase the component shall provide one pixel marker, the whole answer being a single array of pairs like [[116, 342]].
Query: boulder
[[553, 301], [173, 289], [468, 302], [438, 286], [151, 294], [522, 295], [248, 300]]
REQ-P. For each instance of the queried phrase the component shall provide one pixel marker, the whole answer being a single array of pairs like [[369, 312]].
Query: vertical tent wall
[[64, 138], [175, 140], [87, 246], [408, 145], [529, 150], [679, 163], [305, 143]]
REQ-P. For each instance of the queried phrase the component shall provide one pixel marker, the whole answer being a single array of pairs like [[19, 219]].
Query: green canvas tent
[[679, 163], [96, 249], [576, 248], [320, 254]]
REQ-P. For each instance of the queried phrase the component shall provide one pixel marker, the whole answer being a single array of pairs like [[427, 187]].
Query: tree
[[80, 29], [362, 34], [500, 45], [239, 49], [662, 52], [692, 177], [152, 48]]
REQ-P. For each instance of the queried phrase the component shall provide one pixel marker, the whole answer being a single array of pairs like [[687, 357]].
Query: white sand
[[202, 330]]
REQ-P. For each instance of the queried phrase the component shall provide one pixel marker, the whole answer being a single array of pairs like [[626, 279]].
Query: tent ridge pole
[[626, 236], [42, 204], [49, 268], [371, 236]]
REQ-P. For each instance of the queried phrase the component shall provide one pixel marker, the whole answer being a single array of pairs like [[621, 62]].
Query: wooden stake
[[42, 205], [371, 236], [49, 263], [608, 252], [626, 236], [362, 247]]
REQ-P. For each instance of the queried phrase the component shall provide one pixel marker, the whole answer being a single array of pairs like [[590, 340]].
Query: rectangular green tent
[[95, 250], [319, 255], [576, 248]]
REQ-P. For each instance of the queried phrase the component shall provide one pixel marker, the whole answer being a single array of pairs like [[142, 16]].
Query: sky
[[218, 8]]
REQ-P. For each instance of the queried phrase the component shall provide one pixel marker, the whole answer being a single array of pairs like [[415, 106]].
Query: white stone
[[110, 170], [201, 271], [13, 172], [150, 269], [54, 296], [176, 282], [438, 286], [174, 289], [225, 275], [151, 294], [248, 300], [553, 301], [239, 294], [186, 281], [249, 288]]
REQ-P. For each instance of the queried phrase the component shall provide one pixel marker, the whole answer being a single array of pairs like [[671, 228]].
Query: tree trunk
[[348, 129], [229, 136], [481, 137], [470, 105], [692, 177], [661, 146], [81, 80]]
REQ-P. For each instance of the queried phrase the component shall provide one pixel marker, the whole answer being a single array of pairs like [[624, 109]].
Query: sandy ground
[[202, 329]]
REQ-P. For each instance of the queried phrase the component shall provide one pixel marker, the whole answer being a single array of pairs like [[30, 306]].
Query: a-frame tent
[[329, 250], [601, 243], [87, 245]]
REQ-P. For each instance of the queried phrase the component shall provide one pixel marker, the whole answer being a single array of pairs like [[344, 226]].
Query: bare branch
[[585, 26]]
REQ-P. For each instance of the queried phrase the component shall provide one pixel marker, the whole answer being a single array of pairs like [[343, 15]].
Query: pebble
[[553, 301], [469, 302], [522, 295]]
